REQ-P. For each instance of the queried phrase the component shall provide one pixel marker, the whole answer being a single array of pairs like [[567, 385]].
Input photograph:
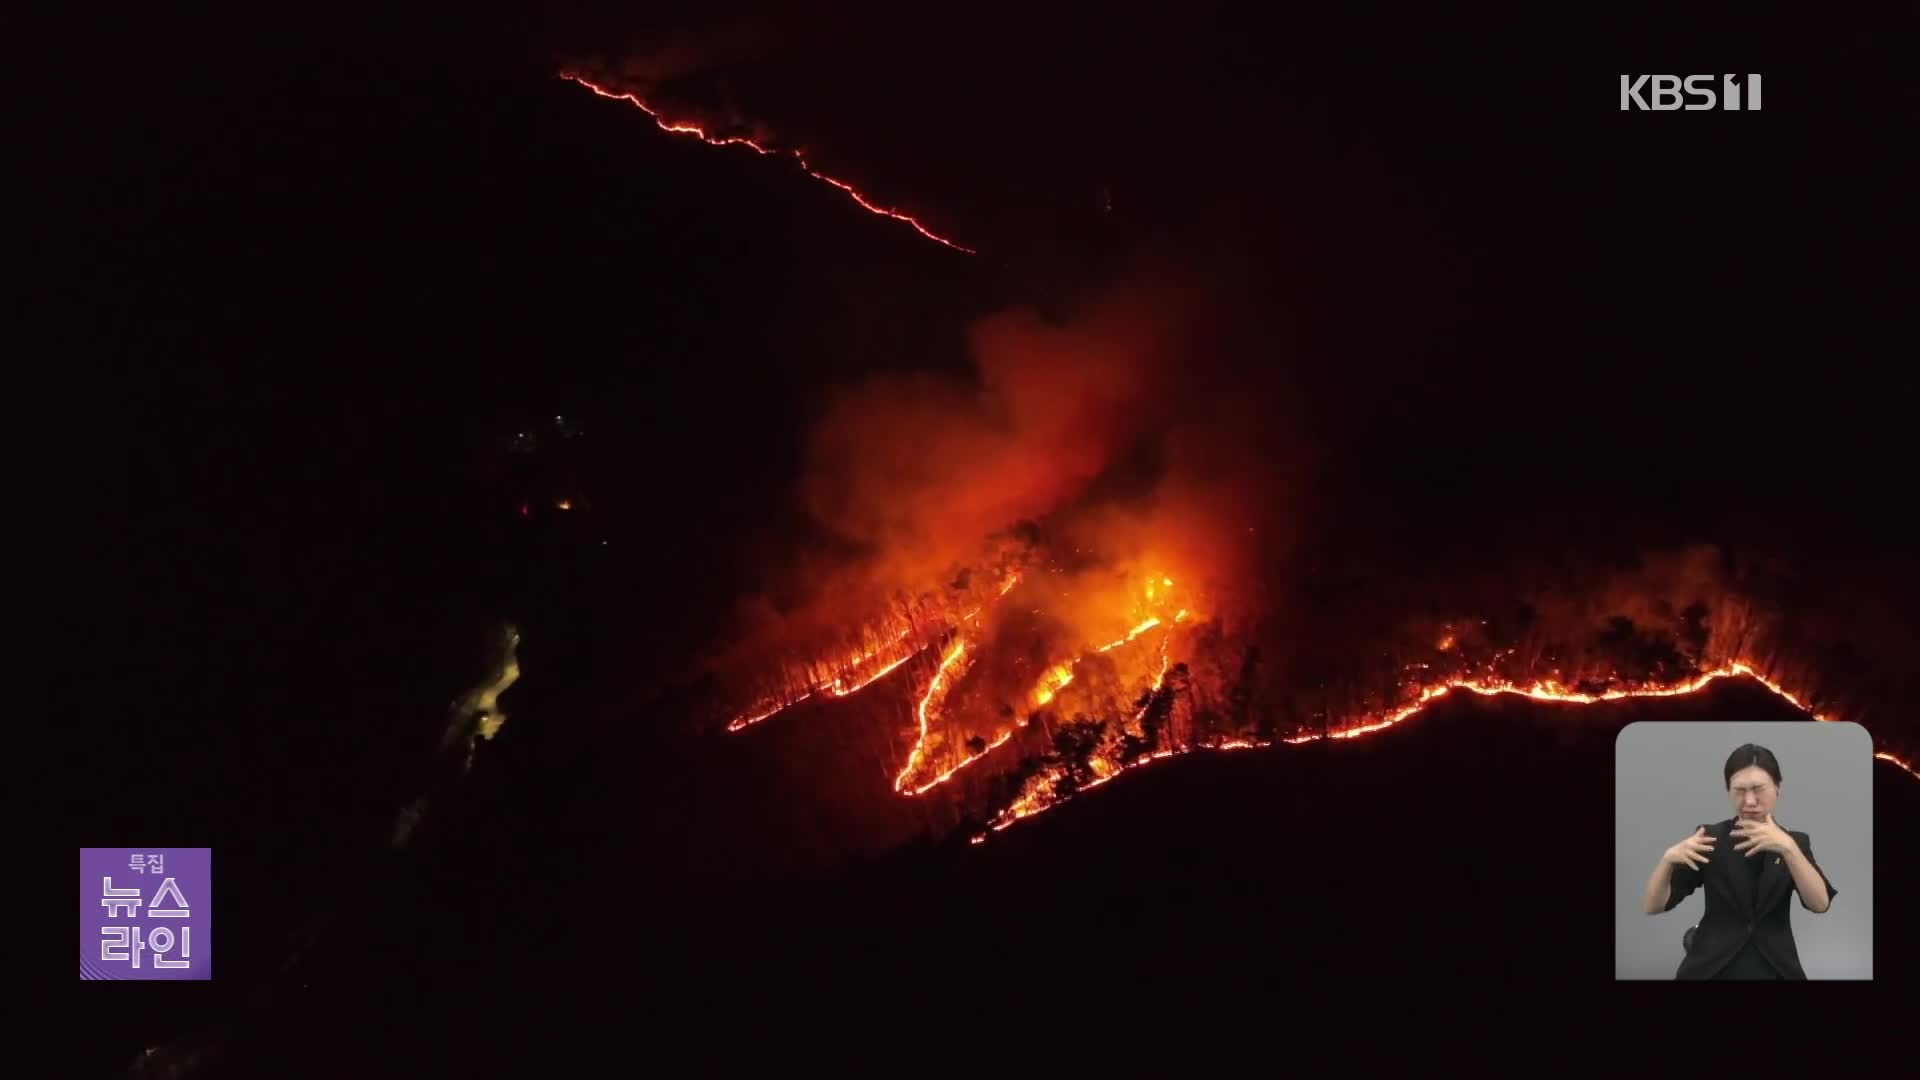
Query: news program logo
[[146, 913], [1668, 93]]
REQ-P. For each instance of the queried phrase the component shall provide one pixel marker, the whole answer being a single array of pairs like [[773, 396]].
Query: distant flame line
[[682, 128], [1542, 691]]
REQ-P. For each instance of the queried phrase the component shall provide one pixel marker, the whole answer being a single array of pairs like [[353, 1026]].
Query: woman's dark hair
[[1753, 755]]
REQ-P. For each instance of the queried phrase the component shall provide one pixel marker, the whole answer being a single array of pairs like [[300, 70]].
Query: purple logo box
[[146, 913]]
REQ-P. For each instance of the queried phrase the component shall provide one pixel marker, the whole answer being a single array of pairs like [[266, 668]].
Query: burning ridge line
[[1025, 808], [851, 192]]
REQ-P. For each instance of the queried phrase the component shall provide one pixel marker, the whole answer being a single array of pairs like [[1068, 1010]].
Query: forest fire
[[695, 130], [849, 677], [1005, 737], [1137, 631], [1041, 795], [1098, 670], [955, 666], [934, 697], [859, 671], [1054, 681], [1124, 450]]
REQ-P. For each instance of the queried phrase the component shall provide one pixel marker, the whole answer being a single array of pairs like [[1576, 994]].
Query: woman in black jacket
[[1748, 864]]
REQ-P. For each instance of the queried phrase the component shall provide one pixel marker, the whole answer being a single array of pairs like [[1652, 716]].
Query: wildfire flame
[[1131, 634], [841, 687], [1903, 766], [682, 128], [1039, 797], [847, 679], [861, 670], [1005, 737], [936, 695], [1056, 678]]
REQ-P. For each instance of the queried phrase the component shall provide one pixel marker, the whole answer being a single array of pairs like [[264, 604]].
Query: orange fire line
[[692, 129], [838, 686], [1044, 694], [927, 701], [934, 687], [1131, 634], [840, 689], [741, 723], [1005, 737], [1539, 692], [835, 687]]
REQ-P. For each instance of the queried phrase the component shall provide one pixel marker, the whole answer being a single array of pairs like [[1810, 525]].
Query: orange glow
[[935, 696], [1165, 661], [1056, 679], [1134, 633], [1039, 797], [1908, 769], [930, 704], [678, 128], [742, 722], [996, 744], [1104, 770], [846, 680], [841, 687]]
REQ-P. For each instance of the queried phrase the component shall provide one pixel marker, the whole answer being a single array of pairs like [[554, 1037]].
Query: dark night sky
[[325, 262]]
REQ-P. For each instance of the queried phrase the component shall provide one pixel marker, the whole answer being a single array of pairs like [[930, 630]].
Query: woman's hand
[[1758, 836], [1693, 851]]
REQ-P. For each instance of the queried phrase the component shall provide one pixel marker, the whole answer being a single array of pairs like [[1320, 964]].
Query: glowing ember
[[695, 130]]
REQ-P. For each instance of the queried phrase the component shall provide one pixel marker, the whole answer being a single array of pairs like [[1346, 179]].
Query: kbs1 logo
[[146, 913], [1664, 93]]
